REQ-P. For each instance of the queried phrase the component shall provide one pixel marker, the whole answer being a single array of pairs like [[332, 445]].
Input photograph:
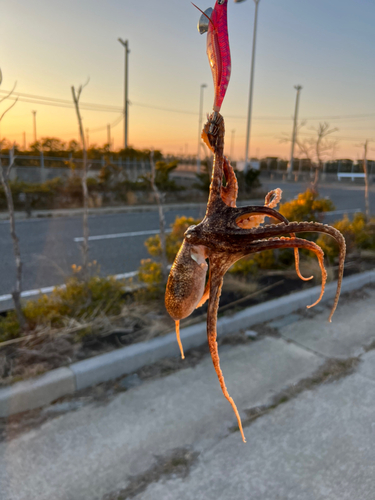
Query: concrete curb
[[43, 390], [36, 392]]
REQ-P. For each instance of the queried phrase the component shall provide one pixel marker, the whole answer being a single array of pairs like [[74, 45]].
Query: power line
[[55, 100], [112, 125], [52, 101]]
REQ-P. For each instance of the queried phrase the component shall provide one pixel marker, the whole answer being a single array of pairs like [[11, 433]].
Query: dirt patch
[[177, 464]]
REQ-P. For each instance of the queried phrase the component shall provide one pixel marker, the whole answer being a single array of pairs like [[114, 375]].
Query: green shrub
[[307, 207], [357, 233], [150, 272], [79, 300], [9, 327]]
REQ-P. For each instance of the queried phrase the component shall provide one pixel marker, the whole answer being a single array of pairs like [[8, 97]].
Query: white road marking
[[121, 235]]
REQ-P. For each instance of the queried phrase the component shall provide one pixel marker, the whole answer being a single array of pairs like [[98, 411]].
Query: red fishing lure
[[218, 50]]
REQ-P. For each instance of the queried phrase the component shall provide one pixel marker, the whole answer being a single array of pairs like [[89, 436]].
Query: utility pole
[[290, 167], [24, 141], [251, 82], [203, 86], [109, 136], [87, 138], [126, 102], [34, 113]]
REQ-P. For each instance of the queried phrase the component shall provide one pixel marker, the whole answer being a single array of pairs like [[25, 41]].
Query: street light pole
[[203, 86], [34, 113], [251, 83], [290, 167], [126, 101]]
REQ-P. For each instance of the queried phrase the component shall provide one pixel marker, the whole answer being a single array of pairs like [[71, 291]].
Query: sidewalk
[[174, 437]]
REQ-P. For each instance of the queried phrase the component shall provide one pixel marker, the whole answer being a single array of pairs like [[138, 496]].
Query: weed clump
[[78, 299]]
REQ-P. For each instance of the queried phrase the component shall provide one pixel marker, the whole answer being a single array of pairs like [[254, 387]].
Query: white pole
[[203, 86], [126, 98], [251, 85], [290, 167]]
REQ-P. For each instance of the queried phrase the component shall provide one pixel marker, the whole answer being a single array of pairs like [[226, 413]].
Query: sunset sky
[[327, 46]]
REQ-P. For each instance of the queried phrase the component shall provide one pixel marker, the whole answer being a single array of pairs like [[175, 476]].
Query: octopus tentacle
[[205, 295], [271, 201], [177, 324], [213, 305], [295, 243], [305, 227], [216, 144], [230, 191]]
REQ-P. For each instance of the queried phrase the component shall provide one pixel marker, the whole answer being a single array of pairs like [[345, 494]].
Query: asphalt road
[[49, 248]]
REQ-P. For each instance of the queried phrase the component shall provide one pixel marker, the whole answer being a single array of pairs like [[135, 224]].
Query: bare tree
[[322, 147], [85, 244], [158, 197], [317, 148], [4, 178]]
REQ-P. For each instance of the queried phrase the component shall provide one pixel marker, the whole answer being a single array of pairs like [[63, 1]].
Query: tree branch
[[85, 223], [163, 243]]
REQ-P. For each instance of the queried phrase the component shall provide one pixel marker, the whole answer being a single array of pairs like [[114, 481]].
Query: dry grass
[[47, 348]]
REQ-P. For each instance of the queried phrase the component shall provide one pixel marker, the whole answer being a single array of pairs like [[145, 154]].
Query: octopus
[[225, 235]]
